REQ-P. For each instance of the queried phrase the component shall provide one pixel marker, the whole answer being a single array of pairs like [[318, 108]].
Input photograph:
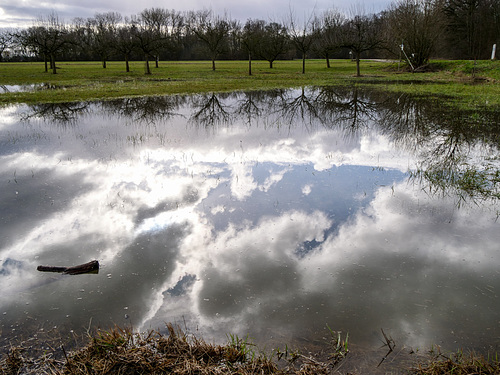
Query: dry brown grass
[[458, 364], [120, 351]]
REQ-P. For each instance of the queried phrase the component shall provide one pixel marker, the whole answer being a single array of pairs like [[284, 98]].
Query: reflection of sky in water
[[236, 229], [338, 192]]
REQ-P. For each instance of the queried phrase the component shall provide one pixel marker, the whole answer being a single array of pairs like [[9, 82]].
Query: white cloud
[[27, 11]]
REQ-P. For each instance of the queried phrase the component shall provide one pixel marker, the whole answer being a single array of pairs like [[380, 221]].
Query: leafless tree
[[329, 33], [6, 40], [213, 31], [473, 26], [273, 42], [302, 36], [103, 28], [415, 26], [150, 31], [97, 33], [123, 42], [251, 38], [361, 33], [48, 37]]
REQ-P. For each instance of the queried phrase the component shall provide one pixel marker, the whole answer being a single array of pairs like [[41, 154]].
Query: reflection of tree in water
[[405, 121], [300, 107], [464, 157], [311, 107], [330, 107], [345, 108], [147, 109], [62, 114], [457, 151], [210, 110], [251, 106]]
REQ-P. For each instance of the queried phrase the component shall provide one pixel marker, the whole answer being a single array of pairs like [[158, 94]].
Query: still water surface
[[268, 214]]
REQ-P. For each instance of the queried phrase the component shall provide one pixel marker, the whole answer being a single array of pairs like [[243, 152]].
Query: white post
[[494, 51]]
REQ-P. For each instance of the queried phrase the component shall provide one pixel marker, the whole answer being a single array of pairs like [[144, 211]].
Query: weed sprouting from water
[[468, 183], [339, 346], [458, 363], [239, 350]]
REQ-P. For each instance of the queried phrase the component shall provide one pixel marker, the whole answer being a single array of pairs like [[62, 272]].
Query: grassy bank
[[465, 83], [121, 351]]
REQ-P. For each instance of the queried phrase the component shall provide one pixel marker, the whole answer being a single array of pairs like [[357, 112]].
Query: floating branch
[[90, 267]]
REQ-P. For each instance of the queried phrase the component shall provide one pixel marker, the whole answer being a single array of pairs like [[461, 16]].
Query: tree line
[[410, 30]]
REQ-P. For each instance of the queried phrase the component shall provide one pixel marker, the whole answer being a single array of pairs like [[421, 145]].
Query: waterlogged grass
[[458, 363], [121, 351], [464, 83]]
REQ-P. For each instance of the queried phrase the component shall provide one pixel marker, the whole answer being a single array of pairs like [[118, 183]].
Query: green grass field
[[465, 83]]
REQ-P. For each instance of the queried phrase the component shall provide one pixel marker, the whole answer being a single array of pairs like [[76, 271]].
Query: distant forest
[[412, 30]]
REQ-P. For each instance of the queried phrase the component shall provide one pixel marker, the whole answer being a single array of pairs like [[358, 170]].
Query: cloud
[[16, 14]]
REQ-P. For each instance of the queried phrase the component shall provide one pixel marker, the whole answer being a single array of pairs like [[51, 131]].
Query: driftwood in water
[[90, 267]]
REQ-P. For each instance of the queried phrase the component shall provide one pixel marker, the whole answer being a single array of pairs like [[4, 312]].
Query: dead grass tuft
[[458, 364], [121, 351]]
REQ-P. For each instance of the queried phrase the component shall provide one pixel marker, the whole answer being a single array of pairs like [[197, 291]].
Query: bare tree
[[213, 32], [273, 42], [157, 21], [471, 26], [6, 40], [48, 37], [150, 31], [361, 33], [103, 28], [251, 39], [329, 32], [176, 32], [97, 33], [415, 26], [124, 43], [302, 37]]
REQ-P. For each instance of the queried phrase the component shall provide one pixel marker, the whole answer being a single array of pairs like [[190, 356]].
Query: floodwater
[[4, 89], [269, 214]]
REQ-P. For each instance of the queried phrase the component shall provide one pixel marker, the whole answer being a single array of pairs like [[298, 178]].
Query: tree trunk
[[270, 64], [303, 63], [327, 60], [46, 63], [53, 63], [148, 70], [213, 64], [157, 61], [358, 72], [104, 63], [249, 64], [127, 66]]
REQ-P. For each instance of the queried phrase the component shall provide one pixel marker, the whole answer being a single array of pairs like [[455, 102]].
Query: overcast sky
[[15, 13]]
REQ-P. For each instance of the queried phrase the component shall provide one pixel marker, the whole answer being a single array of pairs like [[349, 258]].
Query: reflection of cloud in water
[[267, 231], [306, 190], [244, 268], [418, 276]]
